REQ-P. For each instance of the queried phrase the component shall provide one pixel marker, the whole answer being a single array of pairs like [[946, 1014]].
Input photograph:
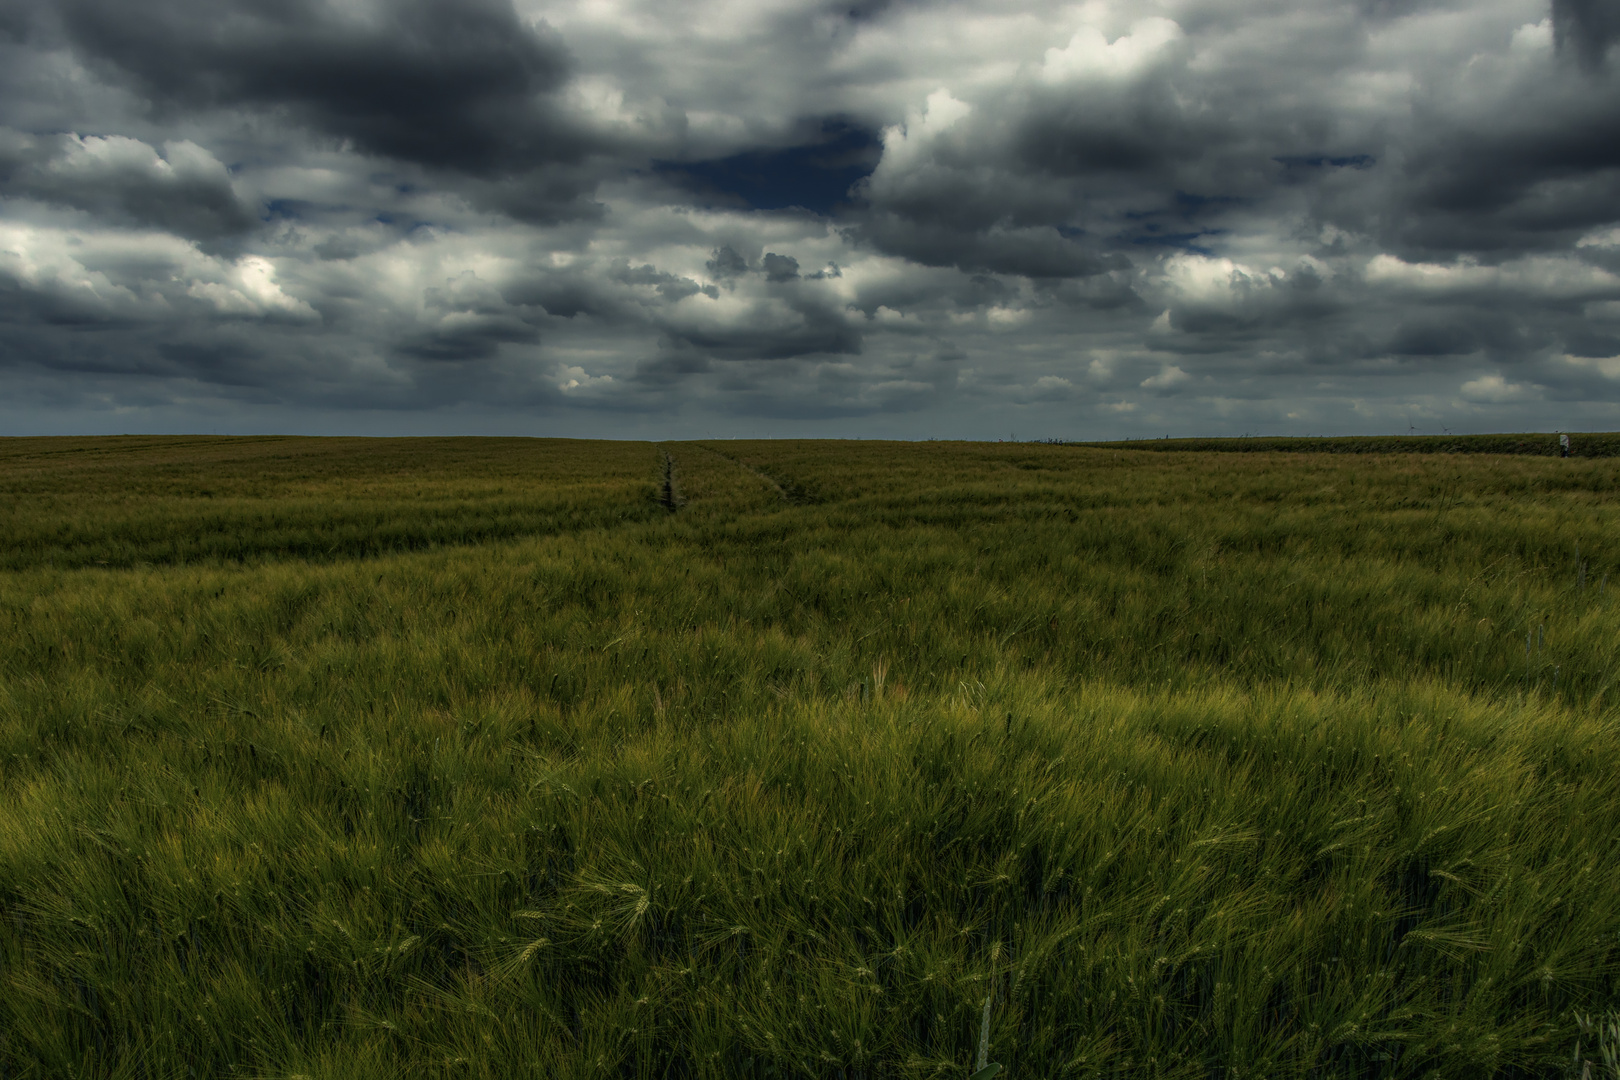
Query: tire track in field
[[792, 492]]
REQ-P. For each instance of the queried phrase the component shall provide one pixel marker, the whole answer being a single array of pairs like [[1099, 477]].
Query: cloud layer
[[623, 217]]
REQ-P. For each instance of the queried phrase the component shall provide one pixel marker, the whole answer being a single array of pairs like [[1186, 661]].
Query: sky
[[762, 218]]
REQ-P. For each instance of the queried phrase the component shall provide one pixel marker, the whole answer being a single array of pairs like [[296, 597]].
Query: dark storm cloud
[[857, 10], [561, 295], [726, 264], [1526, 171], [780, 268], [769, 331], [26, 314], [1141, 129], [815, 174], [1588, 342], [1588, 27], [954, 210], [469, 337], [670, 370], [1040, 252], [454, 84], [1433, 339]]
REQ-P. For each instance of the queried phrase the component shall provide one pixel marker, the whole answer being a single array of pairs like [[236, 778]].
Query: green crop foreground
[[490, 758]]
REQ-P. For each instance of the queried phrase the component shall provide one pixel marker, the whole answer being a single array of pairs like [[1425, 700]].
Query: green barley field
[[493, 758]]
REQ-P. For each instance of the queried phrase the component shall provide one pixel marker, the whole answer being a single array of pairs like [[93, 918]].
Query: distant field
[[1582, 444], [532, 758]]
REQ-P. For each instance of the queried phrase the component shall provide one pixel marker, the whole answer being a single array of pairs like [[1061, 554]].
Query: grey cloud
[[680, 313], [456, 84], [184, 190], [860, 9], [1053, 177], [1216, 307], [1503, 158], [936, 290], [1314, 218], [727, 265], [474, 320], [1040, 252], [799, 390], [671, 287], [340, 247], [16, 20], [1112, 291], [769, 332], [619, 292]]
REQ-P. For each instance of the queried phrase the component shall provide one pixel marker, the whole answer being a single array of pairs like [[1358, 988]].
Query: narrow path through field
[[669, 493]]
